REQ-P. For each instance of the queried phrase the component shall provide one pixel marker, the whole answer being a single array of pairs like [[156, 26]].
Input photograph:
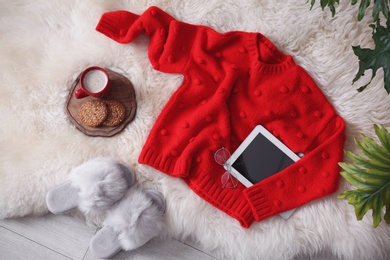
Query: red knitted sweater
[[233, 82]]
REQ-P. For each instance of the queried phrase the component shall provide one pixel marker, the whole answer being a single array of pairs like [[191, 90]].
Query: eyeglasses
[[228, 179]]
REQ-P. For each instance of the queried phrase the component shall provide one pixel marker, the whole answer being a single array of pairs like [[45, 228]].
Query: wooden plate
[[122, 90]]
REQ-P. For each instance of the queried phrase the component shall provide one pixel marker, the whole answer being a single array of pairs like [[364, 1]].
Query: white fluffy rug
[[45, 44]]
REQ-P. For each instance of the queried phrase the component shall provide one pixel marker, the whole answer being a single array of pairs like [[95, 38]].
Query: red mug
[[94, 82]]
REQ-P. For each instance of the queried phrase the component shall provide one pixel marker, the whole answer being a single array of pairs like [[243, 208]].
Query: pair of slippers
[[102, 185]]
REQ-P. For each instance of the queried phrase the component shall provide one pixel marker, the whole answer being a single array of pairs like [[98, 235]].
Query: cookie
[[116, 113], [93, 112]]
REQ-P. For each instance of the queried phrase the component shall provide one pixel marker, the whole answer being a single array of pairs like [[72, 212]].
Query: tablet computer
[[260, 156]]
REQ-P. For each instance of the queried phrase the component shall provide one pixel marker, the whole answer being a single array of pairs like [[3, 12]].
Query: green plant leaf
[[384, 138], [380, 6], [379, 156], [325, 3], [370, 175], [376, 58], [362, 8]]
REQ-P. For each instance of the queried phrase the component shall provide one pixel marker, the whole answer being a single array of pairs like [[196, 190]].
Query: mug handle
[[80, 93]]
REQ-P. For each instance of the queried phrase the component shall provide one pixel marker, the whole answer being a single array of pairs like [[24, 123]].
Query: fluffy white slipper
[[132, 222], [93, 186], [157, 198]]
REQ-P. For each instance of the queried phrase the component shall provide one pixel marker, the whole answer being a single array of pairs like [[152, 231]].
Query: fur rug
[[45, 44]]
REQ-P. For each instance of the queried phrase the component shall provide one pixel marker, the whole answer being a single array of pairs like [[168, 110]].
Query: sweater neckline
[[258, 46]]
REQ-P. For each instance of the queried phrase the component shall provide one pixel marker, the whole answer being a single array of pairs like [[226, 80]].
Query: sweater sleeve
[[313, 176], [167, 52]]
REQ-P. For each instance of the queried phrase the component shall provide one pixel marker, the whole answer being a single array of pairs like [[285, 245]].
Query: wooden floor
[[60, 237]]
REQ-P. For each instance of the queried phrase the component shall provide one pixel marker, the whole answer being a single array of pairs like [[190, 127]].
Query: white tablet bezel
[[257, 130]]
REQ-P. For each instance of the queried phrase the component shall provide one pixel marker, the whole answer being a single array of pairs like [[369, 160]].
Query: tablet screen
[[261, 159]]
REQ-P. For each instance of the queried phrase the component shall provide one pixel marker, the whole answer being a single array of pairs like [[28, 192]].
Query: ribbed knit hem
[[259, 203], [108, 24], [230, 201], [115, 25], [169, 165]]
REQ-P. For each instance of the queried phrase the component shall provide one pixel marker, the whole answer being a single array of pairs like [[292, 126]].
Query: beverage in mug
[[94, 82]]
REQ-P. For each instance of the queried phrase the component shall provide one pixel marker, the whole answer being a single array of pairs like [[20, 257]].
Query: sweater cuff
[[259, 203], [116, 25]]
